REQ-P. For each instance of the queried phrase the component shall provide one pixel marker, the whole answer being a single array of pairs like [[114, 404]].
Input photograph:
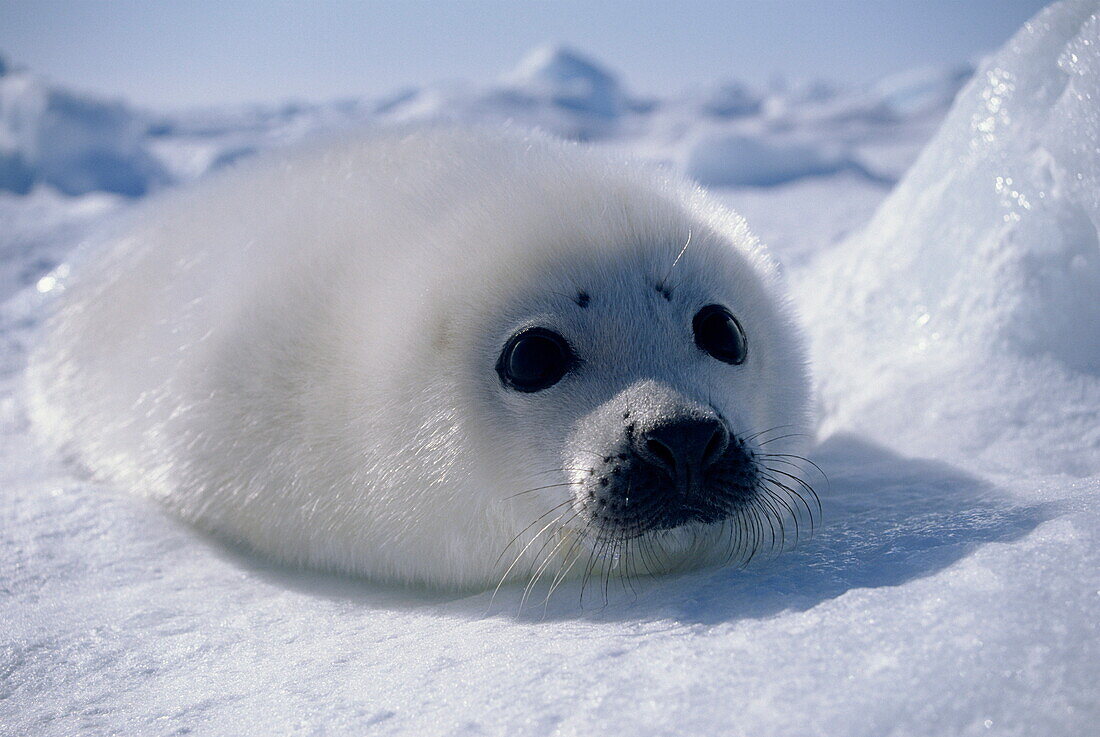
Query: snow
[[733, 160], [952, 587], [793, 130], [553, 88], [72, 142], [730, 99], [979, 276], [921, 90], [567, 78]]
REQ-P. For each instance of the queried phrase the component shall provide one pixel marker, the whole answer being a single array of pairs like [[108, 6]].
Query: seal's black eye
[[718, 333], [534, 360]]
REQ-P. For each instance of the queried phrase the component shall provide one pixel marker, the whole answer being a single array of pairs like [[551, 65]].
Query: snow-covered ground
[[952, 587]]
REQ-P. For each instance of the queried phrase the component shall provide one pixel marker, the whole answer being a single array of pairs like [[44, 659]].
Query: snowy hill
[[952, 587], [563, 77], [71, 142], [987, 256], [729, 134]]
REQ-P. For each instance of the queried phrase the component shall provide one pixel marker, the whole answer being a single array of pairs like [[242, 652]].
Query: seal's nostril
[[716, 445], [684, 447], [661, 453]]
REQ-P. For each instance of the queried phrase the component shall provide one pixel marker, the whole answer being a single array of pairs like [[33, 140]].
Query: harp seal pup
[[437, 356]]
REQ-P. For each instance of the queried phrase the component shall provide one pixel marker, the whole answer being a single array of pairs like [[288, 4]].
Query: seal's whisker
[[802, 483], [750, 517], [641, 564], [771, 501], [776, 483], [625, 572], [528, 527], [776, 458], [664, 552], [784, 437], [558, 470], [566, 535], [771, 533], [791, 491], [727, 529], [787, 499], [613, 558], [751, 536], [794, 515], [544, 564], [539, 488], [757, 532], [601, 560], [539, 560], [761, 519], [758, 520], [563, 569], [755, 435], [738, 538], [625, 578], [664, 279], [602, 569], [633, 558], [588, 569], [621, 561], [660, 554], [795, 494], [519, 555], [757, 526], [591, 452], [800, 458], [772, 516], [742, 547], [648, 557]]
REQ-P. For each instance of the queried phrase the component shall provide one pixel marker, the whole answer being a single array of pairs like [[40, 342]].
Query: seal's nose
[[684, 447]]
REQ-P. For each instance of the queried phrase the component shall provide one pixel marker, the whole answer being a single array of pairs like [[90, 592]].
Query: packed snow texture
[[72, 142], [980, 275], [952, 586], [78, 144]]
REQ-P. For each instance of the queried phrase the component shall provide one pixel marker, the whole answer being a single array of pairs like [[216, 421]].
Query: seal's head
[[638, 386]]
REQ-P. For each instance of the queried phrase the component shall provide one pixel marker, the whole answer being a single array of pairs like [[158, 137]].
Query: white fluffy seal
[[438, 357]]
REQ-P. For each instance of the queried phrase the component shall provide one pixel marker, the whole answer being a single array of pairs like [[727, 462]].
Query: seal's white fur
[[300, 354]]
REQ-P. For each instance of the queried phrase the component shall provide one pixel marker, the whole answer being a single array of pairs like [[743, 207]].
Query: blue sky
[[196, 52]]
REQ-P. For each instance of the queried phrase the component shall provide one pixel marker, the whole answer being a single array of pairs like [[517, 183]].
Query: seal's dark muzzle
[[674, 471]]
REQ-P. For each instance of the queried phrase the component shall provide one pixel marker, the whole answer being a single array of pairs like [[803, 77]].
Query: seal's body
[[435, 356]]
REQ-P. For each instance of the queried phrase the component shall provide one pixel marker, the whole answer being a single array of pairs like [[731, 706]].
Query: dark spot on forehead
[[663, 290], [582, 299]]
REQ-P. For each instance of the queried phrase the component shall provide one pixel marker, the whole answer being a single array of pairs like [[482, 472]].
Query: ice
[[971, 299], [553, 88], [730, 99], [952, 586], [72, 142], [728, 134], [731, 160], [567, 78], [921, 91], [810, 129], [39, 231]]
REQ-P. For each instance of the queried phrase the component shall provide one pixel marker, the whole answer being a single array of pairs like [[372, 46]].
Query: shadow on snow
[[886, 520]]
